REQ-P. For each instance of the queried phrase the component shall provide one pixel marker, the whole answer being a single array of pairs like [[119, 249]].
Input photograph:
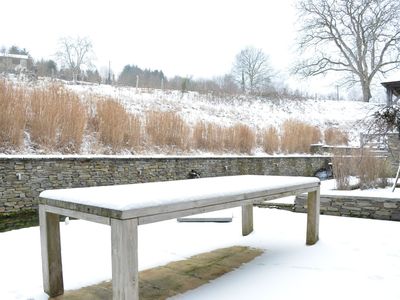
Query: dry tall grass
[[208, 137], [13, 116], [73, 119], [240, 138], [211, 137], [372, 171], [335, 136], [270, 140], [116, 127], [57, 119], [297, 136], [343, 167], [167, 130]]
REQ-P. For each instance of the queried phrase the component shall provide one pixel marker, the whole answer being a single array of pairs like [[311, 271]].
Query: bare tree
[[358, 37], [252, 70], [75, 52]]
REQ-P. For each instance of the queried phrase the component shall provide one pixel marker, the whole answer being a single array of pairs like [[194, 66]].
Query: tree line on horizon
[[357, 38], [251, 72]]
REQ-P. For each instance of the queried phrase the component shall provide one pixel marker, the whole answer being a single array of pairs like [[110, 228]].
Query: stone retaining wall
[[23, 178], [355, 206]]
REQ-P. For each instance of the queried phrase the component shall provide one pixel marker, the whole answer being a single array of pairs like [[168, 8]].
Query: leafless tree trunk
[[75, 52], [251, 69], [358, 37]]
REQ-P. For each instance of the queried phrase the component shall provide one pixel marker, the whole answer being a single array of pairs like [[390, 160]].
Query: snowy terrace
[[354, 259]]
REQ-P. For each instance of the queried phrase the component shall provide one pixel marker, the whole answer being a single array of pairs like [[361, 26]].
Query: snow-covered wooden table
[[124, 207]]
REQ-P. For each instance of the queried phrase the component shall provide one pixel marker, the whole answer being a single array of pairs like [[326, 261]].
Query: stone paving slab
[[176, 277]]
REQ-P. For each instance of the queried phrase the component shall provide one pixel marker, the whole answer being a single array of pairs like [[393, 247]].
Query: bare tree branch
[[252, 69], [75, 52], [365, 33]]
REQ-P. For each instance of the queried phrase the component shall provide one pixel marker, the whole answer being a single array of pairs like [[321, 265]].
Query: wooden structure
[[392, 90], [124, 207]]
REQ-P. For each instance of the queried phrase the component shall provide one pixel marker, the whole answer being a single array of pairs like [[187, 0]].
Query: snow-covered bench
[[124, 207]]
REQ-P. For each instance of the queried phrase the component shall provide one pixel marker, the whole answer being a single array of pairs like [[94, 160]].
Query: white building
[[14, 62]]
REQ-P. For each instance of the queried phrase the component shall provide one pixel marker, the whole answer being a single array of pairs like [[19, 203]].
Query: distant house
[[14, 62], [392, 90]]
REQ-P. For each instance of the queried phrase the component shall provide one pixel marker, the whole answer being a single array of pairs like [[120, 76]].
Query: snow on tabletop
[[144, 195]]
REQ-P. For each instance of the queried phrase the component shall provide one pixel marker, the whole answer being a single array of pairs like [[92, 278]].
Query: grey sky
[[182, 37]]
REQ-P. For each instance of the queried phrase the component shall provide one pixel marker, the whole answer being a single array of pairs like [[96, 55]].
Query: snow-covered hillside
[[256, 112]]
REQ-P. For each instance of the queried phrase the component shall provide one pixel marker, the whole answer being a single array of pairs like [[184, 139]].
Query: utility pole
[[109, 73], [337, 92]]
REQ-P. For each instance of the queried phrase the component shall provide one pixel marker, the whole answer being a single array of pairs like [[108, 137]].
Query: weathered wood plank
[[78, 215], [247, 219], [124, 249], [220, 200], [51, 253], [287, 193], [189, 212], [174, 195], [313, 207], [183, 211]]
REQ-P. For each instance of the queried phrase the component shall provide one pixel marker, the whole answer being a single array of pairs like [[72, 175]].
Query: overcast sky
[[198, 38]]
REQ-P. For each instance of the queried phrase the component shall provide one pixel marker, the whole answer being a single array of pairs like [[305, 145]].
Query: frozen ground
[[354, 259]]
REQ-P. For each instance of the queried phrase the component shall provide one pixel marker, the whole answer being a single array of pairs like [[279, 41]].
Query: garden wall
[[23, 178], [355, 206]]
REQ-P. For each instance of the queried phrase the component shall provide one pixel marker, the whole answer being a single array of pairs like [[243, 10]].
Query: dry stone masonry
[[23, 178], [355, 206]]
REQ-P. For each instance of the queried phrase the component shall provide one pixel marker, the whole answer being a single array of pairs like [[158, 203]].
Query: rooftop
[[21, 56], [394, 86]]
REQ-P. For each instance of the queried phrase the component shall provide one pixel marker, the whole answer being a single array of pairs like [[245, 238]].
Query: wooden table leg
[[124, 249], [51, 253], [247, 219], [313, 204]]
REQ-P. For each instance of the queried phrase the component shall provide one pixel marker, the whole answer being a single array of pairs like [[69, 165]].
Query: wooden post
[[313, 203], [247, 219], [51, 253], [124, 250]]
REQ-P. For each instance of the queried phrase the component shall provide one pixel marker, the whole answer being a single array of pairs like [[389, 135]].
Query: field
[[59, 118]]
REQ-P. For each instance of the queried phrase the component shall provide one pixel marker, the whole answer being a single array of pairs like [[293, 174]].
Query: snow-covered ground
[[256, 112], [354, 259]]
